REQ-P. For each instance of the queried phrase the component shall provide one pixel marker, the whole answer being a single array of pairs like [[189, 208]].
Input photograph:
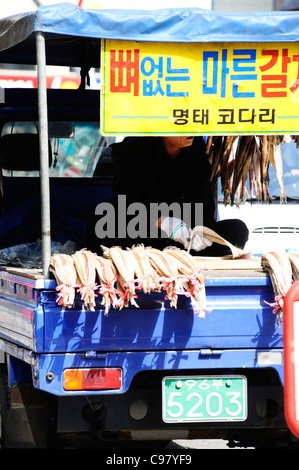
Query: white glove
[[199, 242], [177, 230]]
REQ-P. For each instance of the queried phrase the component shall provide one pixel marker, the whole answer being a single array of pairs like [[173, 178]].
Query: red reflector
[[92, 379]]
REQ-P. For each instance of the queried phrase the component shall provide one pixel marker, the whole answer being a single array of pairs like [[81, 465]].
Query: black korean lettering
[[267, 115], [227, 116], [201, 116], [181, 116], [247, 115]]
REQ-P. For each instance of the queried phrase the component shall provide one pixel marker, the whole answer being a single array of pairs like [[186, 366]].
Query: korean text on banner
[[196, 88]]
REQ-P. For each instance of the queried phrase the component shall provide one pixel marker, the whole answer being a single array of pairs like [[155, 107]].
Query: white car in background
[[272, 226]]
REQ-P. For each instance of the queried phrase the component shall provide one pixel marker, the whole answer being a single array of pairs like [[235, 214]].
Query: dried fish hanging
[[124, 262], [265, 169], [227, 172], [218, 152], [255, 182], [150, 269], [168, 274], [215, 238], [246, 149], [278, 266], [294, 260], [84, 262], [62, 266], [107, 275], [221, 152], [147, 278], [139, 268], [235, 158], [296, 140], [209, 151], [191, 277], [275, 159]]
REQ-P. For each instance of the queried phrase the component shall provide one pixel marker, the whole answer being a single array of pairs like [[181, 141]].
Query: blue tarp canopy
[[166, 25], [169, 25], [78, 31]]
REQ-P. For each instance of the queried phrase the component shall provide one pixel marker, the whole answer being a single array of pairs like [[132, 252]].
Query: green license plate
[[204, 398]]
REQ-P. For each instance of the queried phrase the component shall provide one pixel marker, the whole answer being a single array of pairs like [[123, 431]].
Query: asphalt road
[[198, 444], [83, 442]]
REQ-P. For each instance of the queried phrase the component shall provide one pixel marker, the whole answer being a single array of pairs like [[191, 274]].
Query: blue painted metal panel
[[134, 362], [239, 318]]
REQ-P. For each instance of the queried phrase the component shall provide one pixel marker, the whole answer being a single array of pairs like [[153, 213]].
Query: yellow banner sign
[[199, 89]]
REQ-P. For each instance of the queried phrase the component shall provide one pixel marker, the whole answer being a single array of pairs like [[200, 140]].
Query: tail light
[[103, 378]]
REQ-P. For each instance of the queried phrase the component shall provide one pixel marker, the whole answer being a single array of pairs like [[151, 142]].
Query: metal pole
[[44, 151]]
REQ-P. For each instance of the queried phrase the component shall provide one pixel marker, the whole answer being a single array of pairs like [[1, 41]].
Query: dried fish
[[209, 151], [294, 260], [193, 281], [124, 262], [173, 270], [147, 277], [242, 164], [256, 170], [278, 266], [275, 159], [168, 272], [239, 158], [264, 169], [227, 172], [251, 152], [215, 238], [218, 147], [84, 262], [223, 157], [62, 266], [107, 276], [296, 140]]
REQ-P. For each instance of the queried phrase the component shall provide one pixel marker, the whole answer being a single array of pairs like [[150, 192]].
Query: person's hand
[[199, 242], [177, 230]]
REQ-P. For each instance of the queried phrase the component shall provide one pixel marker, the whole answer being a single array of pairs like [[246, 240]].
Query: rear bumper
[[138, 412], [131, 363]]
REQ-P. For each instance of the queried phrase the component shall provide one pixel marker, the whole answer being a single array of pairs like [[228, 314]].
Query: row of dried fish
[[237, 159], [73, 272], [283, 269], [122, 273]]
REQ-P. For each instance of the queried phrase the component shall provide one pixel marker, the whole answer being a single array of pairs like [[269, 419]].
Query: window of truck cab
[[75, 154]]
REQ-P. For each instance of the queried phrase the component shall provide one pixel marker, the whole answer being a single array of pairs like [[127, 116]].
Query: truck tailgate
[[237, 316]]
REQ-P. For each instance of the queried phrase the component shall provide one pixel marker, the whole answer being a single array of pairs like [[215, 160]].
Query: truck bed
[[235, 289]]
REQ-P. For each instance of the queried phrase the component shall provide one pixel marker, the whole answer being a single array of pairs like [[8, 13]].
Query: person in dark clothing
[[157, 172]]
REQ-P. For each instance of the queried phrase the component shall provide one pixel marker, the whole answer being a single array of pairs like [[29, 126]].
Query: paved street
[[198, 444], [84, 442]]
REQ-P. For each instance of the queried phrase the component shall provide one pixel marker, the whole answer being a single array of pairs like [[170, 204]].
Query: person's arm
[[175, 229]]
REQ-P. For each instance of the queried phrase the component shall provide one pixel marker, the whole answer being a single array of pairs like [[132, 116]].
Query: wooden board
[[229, 264], [30, 273]]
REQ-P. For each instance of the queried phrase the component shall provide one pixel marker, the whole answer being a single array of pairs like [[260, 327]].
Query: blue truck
[[152, 373]]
